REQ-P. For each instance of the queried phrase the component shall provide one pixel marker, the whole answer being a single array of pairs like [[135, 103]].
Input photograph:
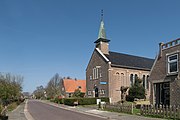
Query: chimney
[[160, 49]]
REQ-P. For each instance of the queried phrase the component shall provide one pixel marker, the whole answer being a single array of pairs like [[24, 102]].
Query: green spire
[[102, 33]]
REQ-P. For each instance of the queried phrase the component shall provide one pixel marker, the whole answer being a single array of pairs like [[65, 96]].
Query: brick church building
[[107, 72]]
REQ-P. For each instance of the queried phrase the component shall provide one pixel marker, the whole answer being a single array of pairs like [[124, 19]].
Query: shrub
[[58, 100], [83, 101], [78, 93], [69, 101], [136, 91]]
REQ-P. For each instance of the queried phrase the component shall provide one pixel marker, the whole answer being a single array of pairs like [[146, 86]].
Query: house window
[[173, 64], [70, 94], [89, 93]]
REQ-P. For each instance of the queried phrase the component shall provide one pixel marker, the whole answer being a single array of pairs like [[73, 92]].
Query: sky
[[39, 38]]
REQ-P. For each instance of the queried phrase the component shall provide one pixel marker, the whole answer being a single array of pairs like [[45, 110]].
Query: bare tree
[[39, 92], [53, 88]]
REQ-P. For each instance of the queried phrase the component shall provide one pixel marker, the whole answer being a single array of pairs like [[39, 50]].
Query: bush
[[78, 93], [69, 101], [48, 98], [83, 101], [59, 100], [136, 91]]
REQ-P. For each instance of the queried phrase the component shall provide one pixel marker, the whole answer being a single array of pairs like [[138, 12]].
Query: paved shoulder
[[18, 113], [104, 114]]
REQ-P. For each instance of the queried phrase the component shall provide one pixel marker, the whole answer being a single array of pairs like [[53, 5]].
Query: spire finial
[[102, 14]]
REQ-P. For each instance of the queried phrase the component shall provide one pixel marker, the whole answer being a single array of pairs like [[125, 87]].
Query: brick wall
[[97, 60], [159, 75]]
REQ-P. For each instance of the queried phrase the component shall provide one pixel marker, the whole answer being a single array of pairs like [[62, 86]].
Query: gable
[[97, 54], [160, 70]]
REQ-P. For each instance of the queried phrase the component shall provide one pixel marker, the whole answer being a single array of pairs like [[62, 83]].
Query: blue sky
[[39, 38]]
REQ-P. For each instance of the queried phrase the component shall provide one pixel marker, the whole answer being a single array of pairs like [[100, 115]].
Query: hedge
[[83, 101]]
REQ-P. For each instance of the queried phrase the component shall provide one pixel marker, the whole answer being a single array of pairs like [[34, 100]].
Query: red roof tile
[[71, 85]]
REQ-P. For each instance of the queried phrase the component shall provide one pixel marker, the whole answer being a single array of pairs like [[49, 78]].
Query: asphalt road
[[42, 111]]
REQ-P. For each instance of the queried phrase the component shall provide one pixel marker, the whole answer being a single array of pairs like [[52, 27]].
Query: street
[[41, 111]]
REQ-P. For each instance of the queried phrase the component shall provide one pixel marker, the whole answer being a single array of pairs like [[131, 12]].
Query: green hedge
[[83, 101]]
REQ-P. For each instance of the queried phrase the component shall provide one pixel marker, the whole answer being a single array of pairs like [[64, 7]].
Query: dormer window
[[173, 64]]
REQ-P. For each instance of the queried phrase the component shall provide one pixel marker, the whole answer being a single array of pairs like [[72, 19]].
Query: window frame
[[89, 92], [172, 61]]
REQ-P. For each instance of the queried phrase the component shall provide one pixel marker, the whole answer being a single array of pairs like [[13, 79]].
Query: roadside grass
[[12, 106], [136, 111]]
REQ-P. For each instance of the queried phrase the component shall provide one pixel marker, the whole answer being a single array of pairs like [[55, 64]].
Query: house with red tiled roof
[[70, 85]]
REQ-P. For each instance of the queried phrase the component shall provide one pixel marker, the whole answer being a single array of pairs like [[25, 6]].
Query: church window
[[96, 72], [102, 91], [144, 81], [100, 74], [122, 79], [147, 82], [117, 73], [131, 79], [136, 76]]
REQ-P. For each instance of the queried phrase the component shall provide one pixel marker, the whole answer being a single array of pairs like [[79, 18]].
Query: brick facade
[[160, 75], [114, 77]]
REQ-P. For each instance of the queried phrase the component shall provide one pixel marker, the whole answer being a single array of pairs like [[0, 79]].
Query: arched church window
[[147, 82], [117, 73], [144, 81], [122, 78], [131, 79]]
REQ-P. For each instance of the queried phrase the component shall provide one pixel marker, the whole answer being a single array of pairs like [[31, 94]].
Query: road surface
[[42, 111]]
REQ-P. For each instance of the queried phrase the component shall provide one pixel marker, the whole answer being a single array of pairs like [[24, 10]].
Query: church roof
[[129, 61]]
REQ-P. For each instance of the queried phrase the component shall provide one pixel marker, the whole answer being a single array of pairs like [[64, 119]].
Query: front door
[[96, 92], [162, 93]]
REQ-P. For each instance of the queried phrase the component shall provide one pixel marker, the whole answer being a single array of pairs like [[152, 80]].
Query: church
[[107, 72]]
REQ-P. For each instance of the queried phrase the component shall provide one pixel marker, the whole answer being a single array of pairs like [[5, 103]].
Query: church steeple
[[102, 33], [102, 43]]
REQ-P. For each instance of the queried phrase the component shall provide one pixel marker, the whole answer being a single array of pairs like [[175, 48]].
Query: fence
[[125, 108], [163, 111]]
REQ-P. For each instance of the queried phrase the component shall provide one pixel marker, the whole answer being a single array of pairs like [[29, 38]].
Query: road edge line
[[26, 113]]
